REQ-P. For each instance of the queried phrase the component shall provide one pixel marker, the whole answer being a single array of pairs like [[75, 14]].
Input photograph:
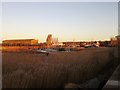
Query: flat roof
[[18, 39]]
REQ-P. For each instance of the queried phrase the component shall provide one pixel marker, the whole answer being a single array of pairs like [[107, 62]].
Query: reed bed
[[33, 70]]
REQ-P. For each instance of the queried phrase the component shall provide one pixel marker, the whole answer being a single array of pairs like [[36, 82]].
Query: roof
[[117, 36], [19, 40]]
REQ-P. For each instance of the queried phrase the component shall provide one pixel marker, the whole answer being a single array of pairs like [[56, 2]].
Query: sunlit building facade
[[49, 40], [19, 42], [55, 41]]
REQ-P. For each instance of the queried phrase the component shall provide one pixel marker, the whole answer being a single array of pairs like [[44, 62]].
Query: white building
[[54, 41]]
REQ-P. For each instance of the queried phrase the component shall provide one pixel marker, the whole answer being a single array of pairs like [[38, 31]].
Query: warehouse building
[[19, 42]]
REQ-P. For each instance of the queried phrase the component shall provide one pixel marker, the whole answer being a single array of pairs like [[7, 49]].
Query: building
[[54, 41], [71, 43], [49, 40], [115, 41], [118, 40], [19, 42]]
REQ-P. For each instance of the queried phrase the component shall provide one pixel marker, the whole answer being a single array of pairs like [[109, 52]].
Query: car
[[87, 46]]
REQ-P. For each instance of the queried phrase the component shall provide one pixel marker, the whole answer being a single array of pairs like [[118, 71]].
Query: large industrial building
[[20, 42]]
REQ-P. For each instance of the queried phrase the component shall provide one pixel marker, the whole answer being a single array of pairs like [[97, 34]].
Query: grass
[[33, 70]]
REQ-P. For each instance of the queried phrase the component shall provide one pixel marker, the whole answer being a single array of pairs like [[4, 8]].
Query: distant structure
[[54, 41], [19, 42], [118, 40], [71, 43], [49, 40], [115, 41]]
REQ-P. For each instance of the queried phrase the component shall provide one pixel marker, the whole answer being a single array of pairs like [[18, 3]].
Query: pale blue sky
[[67, 21], [119, 18]]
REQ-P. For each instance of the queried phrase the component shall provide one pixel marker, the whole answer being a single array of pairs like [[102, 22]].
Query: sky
[[68, 21], [119, 18]]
